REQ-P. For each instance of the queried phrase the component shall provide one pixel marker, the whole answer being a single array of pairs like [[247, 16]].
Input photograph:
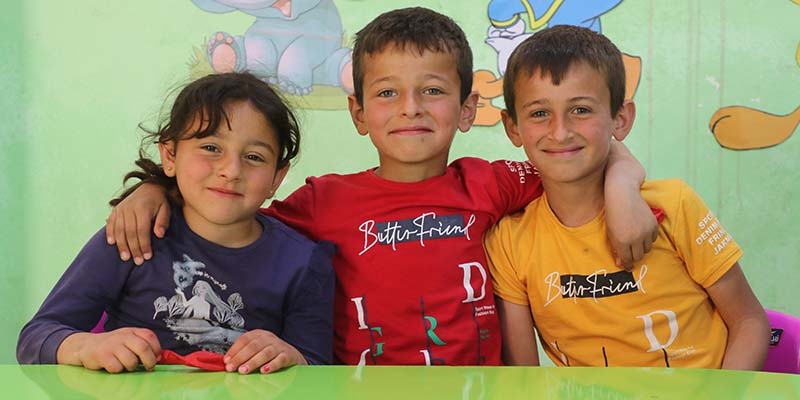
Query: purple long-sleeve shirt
[[194, 294]]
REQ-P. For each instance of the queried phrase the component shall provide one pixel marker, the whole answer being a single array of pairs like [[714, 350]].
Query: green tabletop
[[344, 382]]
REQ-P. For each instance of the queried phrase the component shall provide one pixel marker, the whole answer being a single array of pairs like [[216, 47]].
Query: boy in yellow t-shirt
[[685, 304]]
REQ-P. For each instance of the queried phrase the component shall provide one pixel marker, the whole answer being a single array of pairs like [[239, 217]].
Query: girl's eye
[[254, 157], [210, 147]]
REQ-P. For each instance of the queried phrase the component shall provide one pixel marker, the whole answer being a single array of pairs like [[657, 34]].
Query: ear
[[357, 114], [276, 182], [623, 122], [469, 110], [511, 128], [167, 151]]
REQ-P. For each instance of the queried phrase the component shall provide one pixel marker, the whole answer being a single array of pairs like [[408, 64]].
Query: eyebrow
[[571, 100], [438, 77], [264, 144]]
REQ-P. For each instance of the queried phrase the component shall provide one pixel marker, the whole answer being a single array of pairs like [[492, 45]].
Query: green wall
[[72, 90]]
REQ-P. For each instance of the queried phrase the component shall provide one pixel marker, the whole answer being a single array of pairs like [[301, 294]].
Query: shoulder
[[287, 237], [664, 192], [498, 168]]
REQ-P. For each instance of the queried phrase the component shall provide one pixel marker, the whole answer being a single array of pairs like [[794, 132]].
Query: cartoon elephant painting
[[294, 44]]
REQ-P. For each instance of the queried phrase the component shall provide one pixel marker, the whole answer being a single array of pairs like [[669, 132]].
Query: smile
[[224, 192], [411, 131]]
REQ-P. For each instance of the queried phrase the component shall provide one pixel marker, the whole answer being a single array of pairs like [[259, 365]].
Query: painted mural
[[716, 84]]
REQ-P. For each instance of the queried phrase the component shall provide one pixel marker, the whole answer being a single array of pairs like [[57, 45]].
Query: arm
[[307, 336], [128, 225], [632, 228], [57, 334], [116, 351], [748, 327], [519, 338]]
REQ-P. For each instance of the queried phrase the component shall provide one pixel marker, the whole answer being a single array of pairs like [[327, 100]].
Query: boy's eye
[[433, 91], [539, 114], [210, 147], [581, 110], [386, 93]]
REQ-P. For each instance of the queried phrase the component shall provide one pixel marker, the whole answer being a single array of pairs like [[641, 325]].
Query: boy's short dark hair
[[414, 28], [553, 50]]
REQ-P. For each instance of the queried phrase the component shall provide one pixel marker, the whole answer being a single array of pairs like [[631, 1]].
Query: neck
[[410, 172], [575, 203], [232, 235]]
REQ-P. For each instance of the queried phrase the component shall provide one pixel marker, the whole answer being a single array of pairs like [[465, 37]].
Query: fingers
[[141, 231], [110, 224], [278, 363], [162, 220], [122, 350], [260, 350], [131, 234], [119, 235], [148, 349]]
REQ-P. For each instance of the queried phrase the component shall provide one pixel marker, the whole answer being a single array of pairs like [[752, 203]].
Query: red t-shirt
[[412, 280]]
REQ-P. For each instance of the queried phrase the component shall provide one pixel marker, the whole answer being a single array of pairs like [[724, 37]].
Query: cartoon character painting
[[745, 128], [508, 28], [293, 44]]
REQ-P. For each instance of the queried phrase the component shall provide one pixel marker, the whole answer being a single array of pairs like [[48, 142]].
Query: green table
[[415, 383]]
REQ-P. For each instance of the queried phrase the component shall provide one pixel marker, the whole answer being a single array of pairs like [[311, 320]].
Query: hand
[[632, 227], [128, 226], [632, 230], [115, 351], [263, 350]]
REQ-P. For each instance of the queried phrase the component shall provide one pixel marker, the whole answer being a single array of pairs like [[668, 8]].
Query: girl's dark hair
[[206, 99]]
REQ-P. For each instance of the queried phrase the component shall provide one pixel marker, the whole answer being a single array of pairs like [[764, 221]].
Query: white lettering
[[359, 302], [394, 232], [467, 267], [427, 357], [672, 320]]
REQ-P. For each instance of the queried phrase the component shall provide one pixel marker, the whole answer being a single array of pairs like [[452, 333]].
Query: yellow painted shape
[[744, 128]]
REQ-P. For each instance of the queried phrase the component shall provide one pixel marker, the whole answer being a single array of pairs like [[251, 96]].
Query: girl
[[240, 283]]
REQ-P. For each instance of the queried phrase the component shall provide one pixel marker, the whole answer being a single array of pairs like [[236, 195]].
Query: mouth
[[565, 152], [411, 131], [224, 192]]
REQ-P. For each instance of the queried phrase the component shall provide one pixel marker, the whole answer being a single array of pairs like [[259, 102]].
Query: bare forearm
[[748, 342], [624, 168]]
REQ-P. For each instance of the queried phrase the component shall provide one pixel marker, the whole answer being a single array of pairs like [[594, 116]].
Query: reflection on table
[[344, 382]]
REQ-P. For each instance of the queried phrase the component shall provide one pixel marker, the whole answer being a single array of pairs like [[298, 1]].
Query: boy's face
[[224, 178], [411, 111], [566, 129]]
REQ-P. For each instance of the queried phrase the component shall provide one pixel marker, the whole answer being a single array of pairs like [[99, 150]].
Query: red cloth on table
[[207, 360]]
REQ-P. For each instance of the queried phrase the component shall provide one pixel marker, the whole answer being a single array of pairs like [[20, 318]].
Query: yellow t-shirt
[[588, 312]]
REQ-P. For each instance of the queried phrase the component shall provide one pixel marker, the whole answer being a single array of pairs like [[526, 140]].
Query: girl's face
[[224, 178]]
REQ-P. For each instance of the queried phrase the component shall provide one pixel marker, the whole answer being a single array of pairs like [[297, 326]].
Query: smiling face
[[566, 129], [411, 111], [224, 178]]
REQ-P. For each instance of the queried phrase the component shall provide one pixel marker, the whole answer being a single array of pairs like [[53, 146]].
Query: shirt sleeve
[[297, 210], [518, 184], [706, 247], [508, 284], [76, 303], [308, 325]]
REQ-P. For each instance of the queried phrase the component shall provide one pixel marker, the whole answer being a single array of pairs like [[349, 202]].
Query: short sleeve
[[509, 284]]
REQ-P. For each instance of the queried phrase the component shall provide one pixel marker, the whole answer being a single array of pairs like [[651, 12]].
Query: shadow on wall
[[13, 186]]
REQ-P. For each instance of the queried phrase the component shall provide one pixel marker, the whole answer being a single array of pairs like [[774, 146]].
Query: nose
[[229, 167], [560, 128], [411, 105]]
